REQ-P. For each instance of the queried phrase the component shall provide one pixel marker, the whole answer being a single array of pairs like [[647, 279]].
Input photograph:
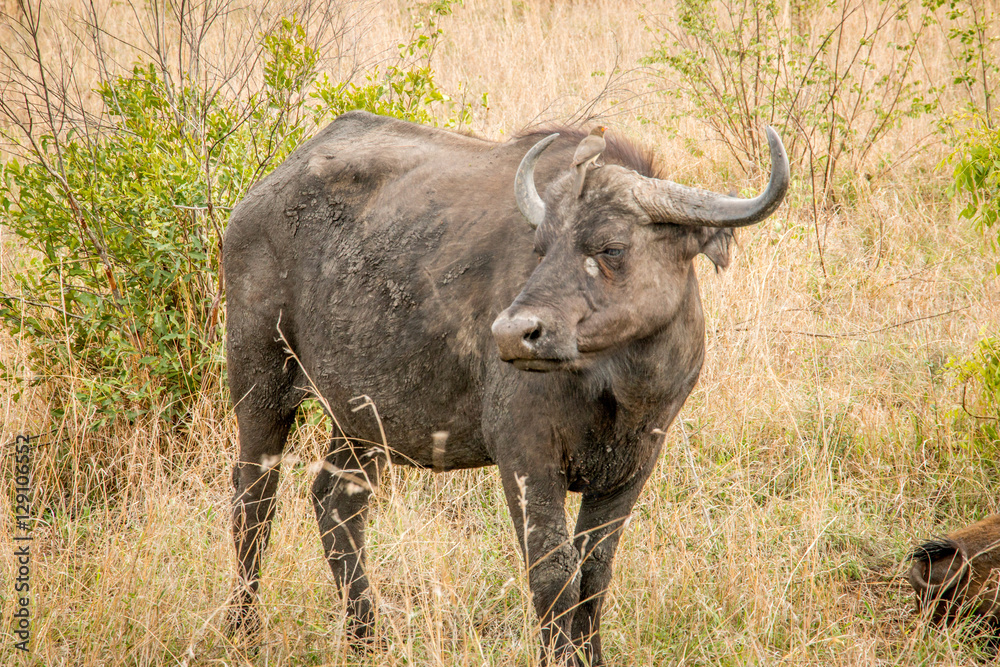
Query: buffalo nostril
[[519, 335]]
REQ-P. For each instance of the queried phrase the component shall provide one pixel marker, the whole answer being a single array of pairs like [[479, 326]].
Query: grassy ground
[[825, 439]]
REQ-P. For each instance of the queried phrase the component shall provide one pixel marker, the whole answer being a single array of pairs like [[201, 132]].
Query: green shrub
[[976, 174], [972, 40], [744, 63], [123, 213]]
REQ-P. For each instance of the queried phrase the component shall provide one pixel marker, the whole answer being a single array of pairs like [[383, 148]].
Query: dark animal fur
[[380, 252], [619, 150], [956, 575], [934, 550]]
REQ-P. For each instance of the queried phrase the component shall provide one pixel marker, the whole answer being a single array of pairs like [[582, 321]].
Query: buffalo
[[960, 574], [394, 261]]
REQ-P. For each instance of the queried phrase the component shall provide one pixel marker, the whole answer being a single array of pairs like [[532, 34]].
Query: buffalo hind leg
[[340, 497], [262, 435]]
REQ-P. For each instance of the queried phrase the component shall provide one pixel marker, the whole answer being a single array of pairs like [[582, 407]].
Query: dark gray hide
[[384, 252]]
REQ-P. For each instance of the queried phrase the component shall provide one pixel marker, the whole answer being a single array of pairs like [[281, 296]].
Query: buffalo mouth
[[579, 362], [542, 365]]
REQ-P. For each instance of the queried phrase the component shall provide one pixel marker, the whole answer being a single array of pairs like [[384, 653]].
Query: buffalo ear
[[715, 245], [948, 572], [716, 241]]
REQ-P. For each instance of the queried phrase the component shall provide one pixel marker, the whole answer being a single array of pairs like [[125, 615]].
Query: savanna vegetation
[[848, 407]]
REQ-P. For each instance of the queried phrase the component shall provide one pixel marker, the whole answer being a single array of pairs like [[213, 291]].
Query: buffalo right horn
[[666, 201], [530, 204]]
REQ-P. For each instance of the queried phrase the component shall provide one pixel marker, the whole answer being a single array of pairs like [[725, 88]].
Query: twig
[[862, 334], [694, 471], [29, 438], [965, 386], [4, 295]]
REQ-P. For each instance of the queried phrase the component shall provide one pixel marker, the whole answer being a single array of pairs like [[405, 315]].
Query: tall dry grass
[[824, 439]]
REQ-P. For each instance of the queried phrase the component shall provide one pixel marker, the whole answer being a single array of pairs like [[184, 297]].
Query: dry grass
[[824, 439]]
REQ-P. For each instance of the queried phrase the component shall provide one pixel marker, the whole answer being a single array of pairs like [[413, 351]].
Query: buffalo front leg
[[537, 500], [599, 527], [262, 436], [340, 497]]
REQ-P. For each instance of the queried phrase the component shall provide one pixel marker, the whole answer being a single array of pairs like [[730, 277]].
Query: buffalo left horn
[[531, 205], [666, 201]]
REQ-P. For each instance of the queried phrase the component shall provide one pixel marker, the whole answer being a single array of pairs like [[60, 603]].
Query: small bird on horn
[[586, 154]]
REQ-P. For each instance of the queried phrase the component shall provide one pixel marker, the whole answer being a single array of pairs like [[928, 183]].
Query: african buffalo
[[394, 261], [960, 574]]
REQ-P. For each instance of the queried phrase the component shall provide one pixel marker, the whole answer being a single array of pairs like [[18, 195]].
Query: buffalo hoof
[[368, 646], [566, 657], [243, 624], [361, 635]]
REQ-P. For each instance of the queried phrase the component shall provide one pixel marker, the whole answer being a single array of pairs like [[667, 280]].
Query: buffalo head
[[960, 574], [615, 262]]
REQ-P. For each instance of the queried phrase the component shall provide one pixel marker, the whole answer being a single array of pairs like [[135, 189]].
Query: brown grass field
[[825, 438]]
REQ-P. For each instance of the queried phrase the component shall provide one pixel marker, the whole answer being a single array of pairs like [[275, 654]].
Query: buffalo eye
[[611, 258], [611, 255]]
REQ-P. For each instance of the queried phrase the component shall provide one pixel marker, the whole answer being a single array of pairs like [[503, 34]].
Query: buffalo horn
[[531, 205], [666, 201]]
